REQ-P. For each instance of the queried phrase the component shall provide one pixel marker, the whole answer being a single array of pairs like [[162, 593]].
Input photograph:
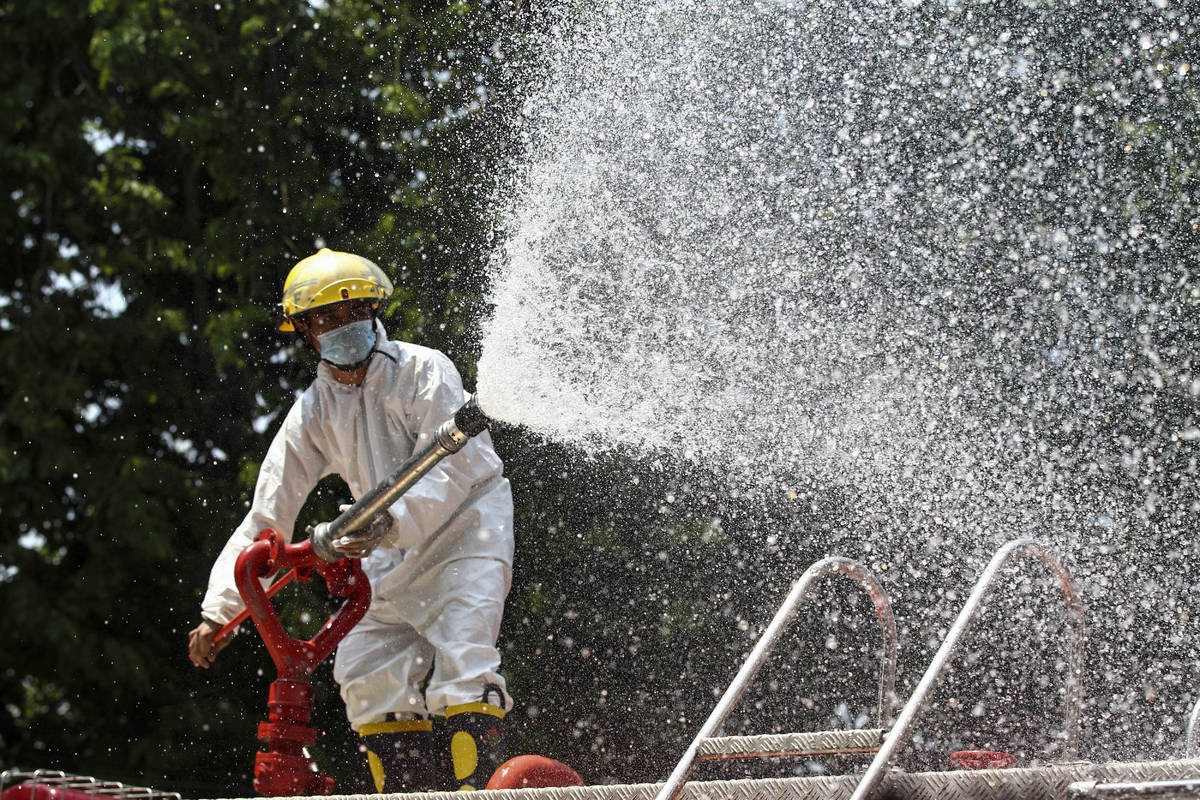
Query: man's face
[[327, 318]]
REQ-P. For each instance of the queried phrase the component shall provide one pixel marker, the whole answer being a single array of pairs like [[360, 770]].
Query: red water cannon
[[285, 769]]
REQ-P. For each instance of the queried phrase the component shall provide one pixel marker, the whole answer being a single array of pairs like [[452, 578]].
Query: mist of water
[[936, 259]]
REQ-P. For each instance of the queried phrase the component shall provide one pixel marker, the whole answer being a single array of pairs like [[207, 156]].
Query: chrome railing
[[801, 591], [1192, 746], [900, 732]]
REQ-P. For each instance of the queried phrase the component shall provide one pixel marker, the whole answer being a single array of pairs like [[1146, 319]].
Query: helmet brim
[[287, 326]]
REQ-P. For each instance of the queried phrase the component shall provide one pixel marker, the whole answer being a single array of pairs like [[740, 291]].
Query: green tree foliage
[[164, 164]]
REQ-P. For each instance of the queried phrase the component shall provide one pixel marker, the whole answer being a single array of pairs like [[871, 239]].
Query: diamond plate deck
[[1030, 783], [817, 743], [1163, 790]]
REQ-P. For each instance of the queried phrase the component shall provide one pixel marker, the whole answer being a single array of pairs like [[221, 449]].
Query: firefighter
[[440, 559]]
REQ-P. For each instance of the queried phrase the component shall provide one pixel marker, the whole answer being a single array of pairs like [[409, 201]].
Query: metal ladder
[[705, 746], [883, 742], [1192, 741]]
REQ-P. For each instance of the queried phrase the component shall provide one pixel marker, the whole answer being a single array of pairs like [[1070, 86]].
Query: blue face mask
[[349, 346]]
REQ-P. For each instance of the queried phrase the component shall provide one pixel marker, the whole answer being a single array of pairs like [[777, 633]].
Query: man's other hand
[[201, 649]]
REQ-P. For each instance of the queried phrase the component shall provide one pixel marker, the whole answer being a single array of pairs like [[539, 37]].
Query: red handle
[[345, 578], [244, 614]]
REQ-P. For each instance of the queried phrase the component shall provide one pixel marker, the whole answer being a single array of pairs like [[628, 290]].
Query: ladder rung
[[815, 743]]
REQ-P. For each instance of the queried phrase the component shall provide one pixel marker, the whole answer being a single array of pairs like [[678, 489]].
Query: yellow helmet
[[329, 276]]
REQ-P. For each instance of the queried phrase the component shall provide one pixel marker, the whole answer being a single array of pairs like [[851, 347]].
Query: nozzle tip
[[470, 419]]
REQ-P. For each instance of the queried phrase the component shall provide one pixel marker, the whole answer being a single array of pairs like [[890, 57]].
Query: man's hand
[[354, 545], [360, 545], [201, 649]]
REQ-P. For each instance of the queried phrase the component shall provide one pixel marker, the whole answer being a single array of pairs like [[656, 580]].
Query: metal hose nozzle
[[470, 419], [451, 436]]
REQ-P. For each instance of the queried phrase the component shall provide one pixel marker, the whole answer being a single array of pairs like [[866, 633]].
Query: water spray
[[910, 245]]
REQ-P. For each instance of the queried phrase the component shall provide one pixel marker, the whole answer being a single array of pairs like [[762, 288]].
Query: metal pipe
[[1193, 735], [451, 436], [799, 593], [908, 715], [1133, 789]]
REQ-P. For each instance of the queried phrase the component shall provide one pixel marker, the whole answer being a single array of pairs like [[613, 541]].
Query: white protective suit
[[439, 579]]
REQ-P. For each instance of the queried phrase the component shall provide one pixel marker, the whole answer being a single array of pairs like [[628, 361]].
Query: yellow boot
[[400, 755], [476, 743]]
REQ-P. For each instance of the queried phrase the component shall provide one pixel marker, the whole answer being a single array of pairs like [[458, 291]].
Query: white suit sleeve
[[291, 469], [441, 492]]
